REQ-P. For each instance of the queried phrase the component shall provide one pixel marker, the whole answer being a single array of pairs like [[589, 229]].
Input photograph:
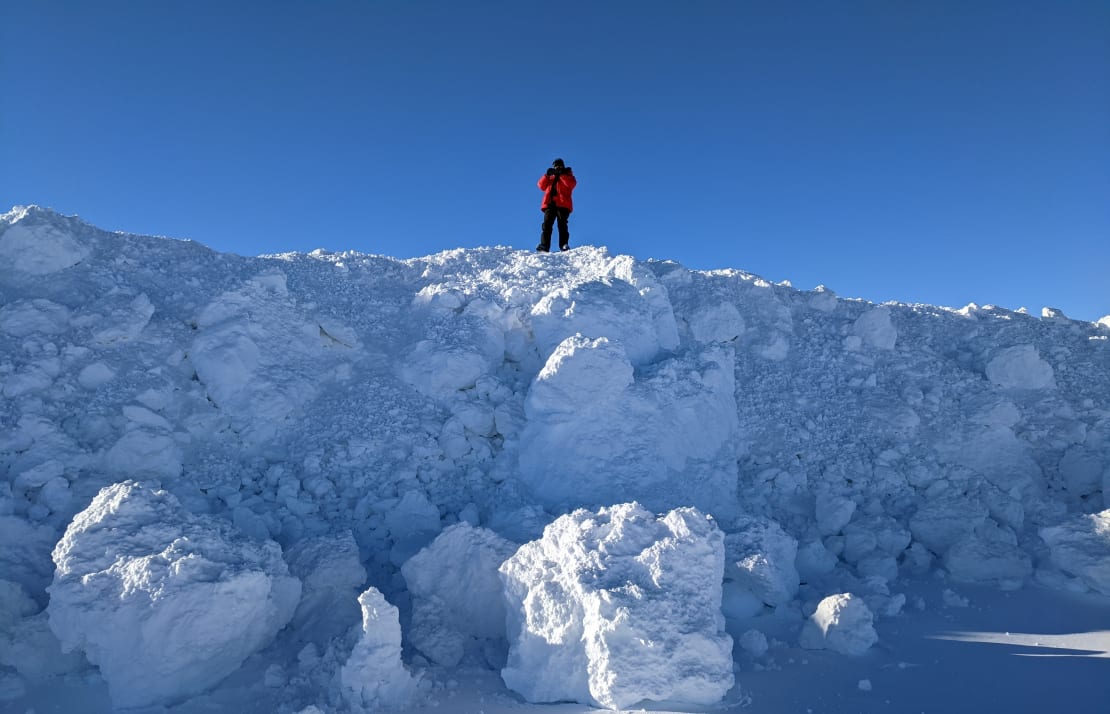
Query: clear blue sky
[[926, 151]]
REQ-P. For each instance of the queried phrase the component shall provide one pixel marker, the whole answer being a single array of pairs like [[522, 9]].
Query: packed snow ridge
[[335, 474]]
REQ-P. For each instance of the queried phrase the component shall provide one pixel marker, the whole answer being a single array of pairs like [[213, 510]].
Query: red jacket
[[563, 186]]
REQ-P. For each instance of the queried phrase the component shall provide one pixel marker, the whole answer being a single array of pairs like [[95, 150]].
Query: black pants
[[549, 218]]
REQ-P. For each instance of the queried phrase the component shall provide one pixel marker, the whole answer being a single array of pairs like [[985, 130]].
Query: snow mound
[[166, 603], [841, 623], [457, 604], [1081, 547], [374, 677], [616, 607]]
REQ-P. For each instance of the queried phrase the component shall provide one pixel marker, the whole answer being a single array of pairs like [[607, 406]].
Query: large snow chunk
[[1020, 367], [992, 554], [716, 322], [259, 356], [874, 328], [629, 306], [166, 603], [457, 603], [616, 607], [330, 572], [39, 249], [760, 558], [1081, 546], [597, 432], [26, 317], [374, 677], [842, 623], [942, 522]]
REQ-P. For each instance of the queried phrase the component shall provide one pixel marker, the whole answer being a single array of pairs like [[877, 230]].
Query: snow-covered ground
[[492, 480]]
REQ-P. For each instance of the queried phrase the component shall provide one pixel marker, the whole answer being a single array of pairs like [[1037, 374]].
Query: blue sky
[[944, 152]]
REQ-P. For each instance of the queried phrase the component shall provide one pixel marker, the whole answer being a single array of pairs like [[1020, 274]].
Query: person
[[557, 186]]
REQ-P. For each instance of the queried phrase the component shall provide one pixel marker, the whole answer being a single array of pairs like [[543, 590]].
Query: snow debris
[[1081, 546], [842, 623], [457, 602], [374, 677], [616, 607], [164, 602]]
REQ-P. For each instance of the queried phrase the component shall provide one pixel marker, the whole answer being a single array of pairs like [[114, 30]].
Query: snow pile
[[374, 677], [1081, 547], [164, 602], [841, 623], [616, 607], [358, 409], [458, 607]]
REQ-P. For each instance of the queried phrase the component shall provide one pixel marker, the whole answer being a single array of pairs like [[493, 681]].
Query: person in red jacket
[[557, 186]]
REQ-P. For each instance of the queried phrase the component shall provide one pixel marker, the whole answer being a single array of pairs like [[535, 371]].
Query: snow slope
[[867, 469]]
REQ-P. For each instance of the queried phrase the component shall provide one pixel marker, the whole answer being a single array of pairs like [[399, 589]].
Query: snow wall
[[351, 409]]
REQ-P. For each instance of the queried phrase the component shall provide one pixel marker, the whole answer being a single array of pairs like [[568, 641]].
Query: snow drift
[[188, 436]]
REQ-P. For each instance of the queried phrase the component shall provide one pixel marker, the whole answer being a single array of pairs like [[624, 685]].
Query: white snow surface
[[189, 439]]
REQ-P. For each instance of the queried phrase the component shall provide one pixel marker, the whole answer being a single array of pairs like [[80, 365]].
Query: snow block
[[760, 557], [1081, 547], [331, 573], [987, 559], [942, 522], [39, 249], [619, 606], [596, 432], [374, 677], [875, 329], [1020, 367], [457, 604], [842, 623], [166, 603]]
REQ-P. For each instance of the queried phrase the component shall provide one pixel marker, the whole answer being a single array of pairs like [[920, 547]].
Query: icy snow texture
[[166, 603], [619, 606], [457, 602], [841, 623], [1081, 547], [374, 677]]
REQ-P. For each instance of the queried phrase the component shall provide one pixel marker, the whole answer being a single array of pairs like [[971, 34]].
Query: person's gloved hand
[[551, 172]]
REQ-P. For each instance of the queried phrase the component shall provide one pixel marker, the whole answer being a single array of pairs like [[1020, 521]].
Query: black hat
[[558, 163]]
